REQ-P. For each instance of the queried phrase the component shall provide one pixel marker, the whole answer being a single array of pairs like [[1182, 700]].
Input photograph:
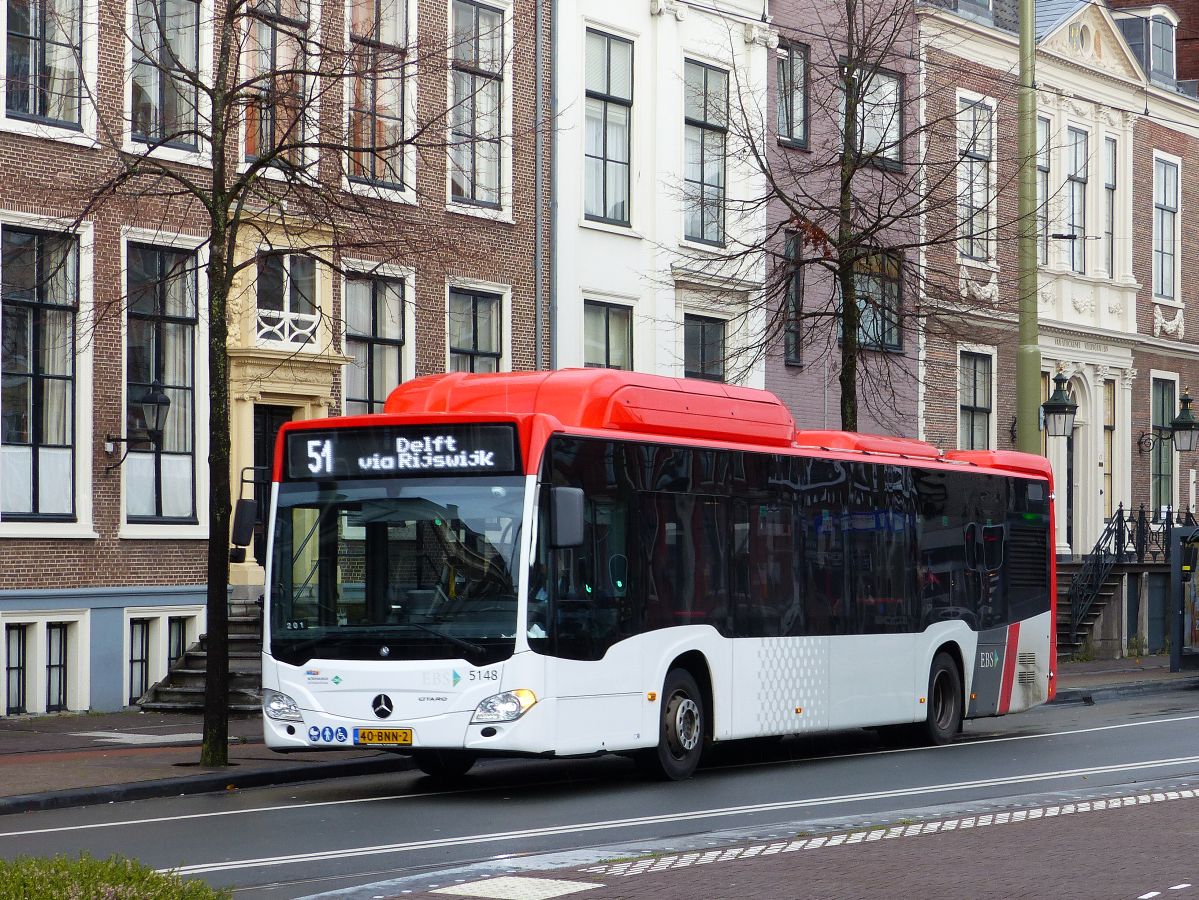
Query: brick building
[[1116, 125], [104, 519]]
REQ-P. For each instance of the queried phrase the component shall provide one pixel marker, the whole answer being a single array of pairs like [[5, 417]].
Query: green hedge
[[87, 878]]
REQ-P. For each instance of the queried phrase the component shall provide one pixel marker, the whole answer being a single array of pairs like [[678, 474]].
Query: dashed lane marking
[[626, 868]]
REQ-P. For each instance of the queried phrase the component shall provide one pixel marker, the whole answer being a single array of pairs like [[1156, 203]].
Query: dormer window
[[1161, 34]]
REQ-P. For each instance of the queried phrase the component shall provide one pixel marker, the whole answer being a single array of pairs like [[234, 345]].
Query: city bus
[[582, 562]]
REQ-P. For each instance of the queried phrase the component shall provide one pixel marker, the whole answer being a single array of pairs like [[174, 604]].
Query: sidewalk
[[68, 760]]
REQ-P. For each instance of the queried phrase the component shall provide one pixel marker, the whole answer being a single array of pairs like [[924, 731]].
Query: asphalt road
[[370, 837]]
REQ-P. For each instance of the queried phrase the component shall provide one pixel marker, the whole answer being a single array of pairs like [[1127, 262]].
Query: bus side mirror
[[244, 516], [566, 514]]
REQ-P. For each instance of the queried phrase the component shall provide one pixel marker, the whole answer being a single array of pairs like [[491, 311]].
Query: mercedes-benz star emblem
[[382, 706], [385, 651]]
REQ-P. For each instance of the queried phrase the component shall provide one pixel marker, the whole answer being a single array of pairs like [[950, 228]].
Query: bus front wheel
[[681, 729], [444, 765], [944, 701]]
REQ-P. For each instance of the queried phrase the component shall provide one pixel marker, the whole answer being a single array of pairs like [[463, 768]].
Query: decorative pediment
[[1090, 38]]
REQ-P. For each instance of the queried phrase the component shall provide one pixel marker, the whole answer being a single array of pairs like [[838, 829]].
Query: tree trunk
[[215, 749]]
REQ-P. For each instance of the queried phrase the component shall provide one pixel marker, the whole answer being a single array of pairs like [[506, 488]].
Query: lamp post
[[1183, 430], [1059, 409], [155, 404], [1028, 354]]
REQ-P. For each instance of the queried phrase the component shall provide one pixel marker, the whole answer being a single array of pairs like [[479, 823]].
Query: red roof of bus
[[632, 403]]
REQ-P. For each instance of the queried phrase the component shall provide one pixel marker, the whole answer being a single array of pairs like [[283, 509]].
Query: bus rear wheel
[[944, 702], [444, 765], [681, 729]]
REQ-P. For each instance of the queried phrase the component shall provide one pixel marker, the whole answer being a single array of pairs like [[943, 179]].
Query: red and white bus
[[588, 561]]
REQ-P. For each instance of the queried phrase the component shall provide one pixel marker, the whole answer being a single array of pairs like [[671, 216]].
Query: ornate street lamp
[[1183, 430], [155, 405], [1059, 409]]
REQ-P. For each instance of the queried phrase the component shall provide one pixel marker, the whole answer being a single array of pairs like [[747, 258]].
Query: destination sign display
[[390, 452]]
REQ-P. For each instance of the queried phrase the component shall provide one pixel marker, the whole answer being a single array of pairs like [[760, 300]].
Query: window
[[1161, 36], [793, 94], [609, 117], [1076, 197], [376, 138], [1042, 191], [16, 675], [1165, 214], [475, 111], [44, 58], [876, 283], [1109, 446], [703, 348], [56, 666], [277, 48], [39, 293], [1109, 212], [607, 336], [474, 331], [286, 298], [974, 401], [878, 118], [166, 48], [375, 338], [139, 659], [160, 478], [793, 324], [705, 104], [176, 639], [1161, 459], [974, 178]]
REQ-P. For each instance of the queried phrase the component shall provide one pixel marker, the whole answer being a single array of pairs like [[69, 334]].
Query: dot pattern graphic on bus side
[[792, 673]]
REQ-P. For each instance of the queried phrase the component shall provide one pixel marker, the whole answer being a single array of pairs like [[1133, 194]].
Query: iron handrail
[[1125, 538]]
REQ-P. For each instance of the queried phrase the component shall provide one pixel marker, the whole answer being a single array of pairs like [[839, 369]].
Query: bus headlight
[[505, 707], [280, 706]]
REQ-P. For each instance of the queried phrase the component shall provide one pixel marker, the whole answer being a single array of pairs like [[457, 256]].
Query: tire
[[444, 765], [944, 702], [681, 731]]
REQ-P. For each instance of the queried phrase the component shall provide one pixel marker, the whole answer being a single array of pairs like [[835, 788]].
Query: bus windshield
[[412, 569]]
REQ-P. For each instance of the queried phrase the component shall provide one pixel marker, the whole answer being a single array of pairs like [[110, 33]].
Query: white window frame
[[1176, 161], [320, 329], [403, 274], [202, 155], [980, 350], [78, 676], [489, 287], [82, 527], [1079, 244], [988, 239], [85, 135], [502, 213], [406, 195], [714, 303], [200, 440], [309, 157], [1162, 375], [160, 631]]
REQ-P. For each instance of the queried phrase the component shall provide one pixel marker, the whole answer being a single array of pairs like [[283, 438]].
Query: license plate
[[383, 737]]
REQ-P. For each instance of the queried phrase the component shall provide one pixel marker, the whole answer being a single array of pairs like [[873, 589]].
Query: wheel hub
[[685, 725]]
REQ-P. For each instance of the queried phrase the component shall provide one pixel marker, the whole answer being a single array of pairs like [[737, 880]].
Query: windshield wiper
[[468, 646]]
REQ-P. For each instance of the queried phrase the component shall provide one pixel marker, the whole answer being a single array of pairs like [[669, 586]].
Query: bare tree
[[873, 189], [273, 134]]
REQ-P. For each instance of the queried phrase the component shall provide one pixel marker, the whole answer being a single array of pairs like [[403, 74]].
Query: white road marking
[[391, 798], [668, 818], [511, 887], [1150, 895], [1180, 887], [120, 737]]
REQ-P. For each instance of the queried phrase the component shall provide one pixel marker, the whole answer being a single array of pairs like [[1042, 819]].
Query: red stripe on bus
[[1009, 667]]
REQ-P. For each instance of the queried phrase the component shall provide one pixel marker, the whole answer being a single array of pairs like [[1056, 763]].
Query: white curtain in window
[[176, 485], [139, 484], [54, 481], [16, 479]]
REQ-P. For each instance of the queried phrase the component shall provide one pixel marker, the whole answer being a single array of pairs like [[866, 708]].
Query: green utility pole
[[1028, 357]]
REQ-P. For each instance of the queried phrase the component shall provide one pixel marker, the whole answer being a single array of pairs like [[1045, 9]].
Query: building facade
[[427, 148], [1115, 134], [653, 190]]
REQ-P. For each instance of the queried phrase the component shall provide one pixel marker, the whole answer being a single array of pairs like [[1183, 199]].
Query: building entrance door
[[267, 421], [1070, 492]]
